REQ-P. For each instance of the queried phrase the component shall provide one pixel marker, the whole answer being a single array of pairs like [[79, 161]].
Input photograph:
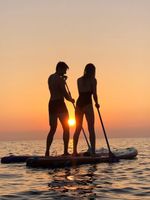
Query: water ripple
[[126, 180]]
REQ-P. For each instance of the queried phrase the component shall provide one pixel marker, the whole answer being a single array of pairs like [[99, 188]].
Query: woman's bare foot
[[47, 153]]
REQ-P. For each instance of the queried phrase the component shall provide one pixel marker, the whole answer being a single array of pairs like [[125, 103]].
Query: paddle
[[112, 157], [88, 144]]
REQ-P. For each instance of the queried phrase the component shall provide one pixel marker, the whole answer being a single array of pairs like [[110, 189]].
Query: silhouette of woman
[[87, 86]]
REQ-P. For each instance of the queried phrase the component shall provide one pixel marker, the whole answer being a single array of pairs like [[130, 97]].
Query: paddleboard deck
[[15, 159], [101, 156]]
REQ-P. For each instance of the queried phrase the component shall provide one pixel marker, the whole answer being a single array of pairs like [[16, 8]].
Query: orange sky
[[35, 35]]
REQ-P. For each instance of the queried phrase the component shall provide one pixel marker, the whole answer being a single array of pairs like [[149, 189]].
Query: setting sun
[[71, 122]]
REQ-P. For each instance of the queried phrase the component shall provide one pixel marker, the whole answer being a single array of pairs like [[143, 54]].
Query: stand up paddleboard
[[101, 156], [15, 159]]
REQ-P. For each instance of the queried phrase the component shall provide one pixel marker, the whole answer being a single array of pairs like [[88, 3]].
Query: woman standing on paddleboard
[[87, 87]]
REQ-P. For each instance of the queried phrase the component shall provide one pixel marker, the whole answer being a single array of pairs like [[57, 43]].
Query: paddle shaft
[[104, 131], [89, 146]]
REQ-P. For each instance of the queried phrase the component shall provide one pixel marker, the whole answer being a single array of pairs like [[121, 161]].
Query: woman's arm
[[94, 87]]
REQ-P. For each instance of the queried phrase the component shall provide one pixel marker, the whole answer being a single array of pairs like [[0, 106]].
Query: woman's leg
[[89, 114], [79, 120]]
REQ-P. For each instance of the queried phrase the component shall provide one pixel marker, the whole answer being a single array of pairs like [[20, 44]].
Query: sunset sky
[[113, 35]]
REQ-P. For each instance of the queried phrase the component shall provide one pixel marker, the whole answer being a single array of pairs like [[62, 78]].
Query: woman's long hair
[[89, 71]]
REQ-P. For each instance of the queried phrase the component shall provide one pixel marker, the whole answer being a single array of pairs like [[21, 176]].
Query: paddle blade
[[113, 158]]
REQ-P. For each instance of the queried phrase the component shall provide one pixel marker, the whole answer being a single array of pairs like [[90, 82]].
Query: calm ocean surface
[[128, 179]]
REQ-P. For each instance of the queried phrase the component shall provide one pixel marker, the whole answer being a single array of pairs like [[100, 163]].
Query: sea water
[[126, 180]]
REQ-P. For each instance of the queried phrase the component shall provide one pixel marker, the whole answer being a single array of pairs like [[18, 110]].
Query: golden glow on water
[[127, 179], [70, 145]]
